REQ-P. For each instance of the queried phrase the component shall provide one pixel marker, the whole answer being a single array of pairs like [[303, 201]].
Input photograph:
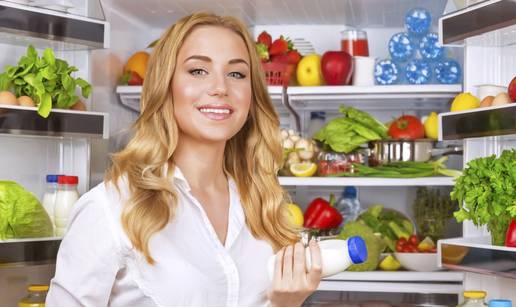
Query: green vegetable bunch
[[488, 190], [45, 79], [344, 134]]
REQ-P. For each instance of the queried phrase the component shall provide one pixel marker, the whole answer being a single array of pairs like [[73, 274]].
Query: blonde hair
[[252, 157]]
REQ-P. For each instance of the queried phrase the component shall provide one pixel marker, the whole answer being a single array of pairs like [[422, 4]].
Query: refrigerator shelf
[[480, 122], [392, 97], [477, 255], [363, 181], [494, 24], [22, 252], [25, 121], [45, 28]]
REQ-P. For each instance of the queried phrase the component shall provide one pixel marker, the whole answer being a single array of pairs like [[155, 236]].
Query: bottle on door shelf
[[473, 299], [500, 303], [348, 205], [49, 198], [336, 256], [36, 297], [66, 197]]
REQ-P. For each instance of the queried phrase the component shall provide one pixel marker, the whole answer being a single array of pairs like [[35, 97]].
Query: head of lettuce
[[21, 213]]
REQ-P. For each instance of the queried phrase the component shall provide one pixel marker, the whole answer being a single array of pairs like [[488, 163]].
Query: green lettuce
[[21, 213]]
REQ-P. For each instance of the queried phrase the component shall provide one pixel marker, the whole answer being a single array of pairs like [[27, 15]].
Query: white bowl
[[421, 262], [485, 90]]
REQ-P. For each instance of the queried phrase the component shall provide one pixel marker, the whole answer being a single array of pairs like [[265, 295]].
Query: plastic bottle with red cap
[[66, 197]]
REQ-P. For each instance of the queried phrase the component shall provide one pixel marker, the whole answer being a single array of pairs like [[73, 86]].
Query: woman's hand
[[292, 284]]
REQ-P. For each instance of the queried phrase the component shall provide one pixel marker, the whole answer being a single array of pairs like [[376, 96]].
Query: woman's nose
[[218, 87]]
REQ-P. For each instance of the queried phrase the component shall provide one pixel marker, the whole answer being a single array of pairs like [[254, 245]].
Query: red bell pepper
[[322, 215], [510, 238]]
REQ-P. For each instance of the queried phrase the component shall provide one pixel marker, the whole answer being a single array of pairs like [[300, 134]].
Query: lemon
[[464, 101], [426, 245], [303, 169], [295, 215], [389, 263], [431, 126]]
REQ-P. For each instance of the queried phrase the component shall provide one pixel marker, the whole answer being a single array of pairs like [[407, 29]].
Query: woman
[[190, 211]]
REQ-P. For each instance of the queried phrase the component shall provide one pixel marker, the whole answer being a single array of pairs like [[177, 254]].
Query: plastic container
[[448, 72], [363, 71], [354, 42], [278, 73], [331, 162], [474, 299], [401, 47], [500, 303], [418, 21], [430, 48], [387, 72], [66, 197], [418, 72], [36, 296], [317, 121], [49, 198], [336, 256], [348, 205]]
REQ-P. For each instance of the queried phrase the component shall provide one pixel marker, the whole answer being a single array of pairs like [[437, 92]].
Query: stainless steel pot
[[421, 150]]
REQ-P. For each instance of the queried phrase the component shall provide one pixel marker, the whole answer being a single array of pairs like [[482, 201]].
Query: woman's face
[[211, 85]]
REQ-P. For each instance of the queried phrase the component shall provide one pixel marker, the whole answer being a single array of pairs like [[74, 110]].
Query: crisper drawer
[[379, 299]]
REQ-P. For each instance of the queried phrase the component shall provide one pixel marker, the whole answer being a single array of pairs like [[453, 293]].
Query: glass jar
[[332, 163], [66, 197], [354, 42], [474, 299], [36, 297]]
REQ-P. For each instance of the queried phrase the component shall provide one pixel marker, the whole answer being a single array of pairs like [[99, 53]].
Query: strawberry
[[131, 78], [294, 56], [265, 38], [282, 58], [279, 46], [263, 52]]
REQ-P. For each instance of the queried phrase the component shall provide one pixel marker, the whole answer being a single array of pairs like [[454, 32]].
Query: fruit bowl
[[421, 262]]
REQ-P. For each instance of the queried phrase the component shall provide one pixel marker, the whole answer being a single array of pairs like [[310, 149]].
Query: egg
[[8, 98], [487, 101], [78, 106], [501, 99], [26, 101]]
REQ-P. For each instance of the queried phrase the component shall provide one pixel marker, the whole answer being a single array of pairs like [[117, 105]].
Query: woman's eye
[[198, 71], [237, 75]]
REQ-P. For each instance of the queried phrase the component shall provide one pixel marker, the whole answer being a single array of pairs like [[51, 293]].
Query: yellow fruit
[[137, 63], [309, 71], [426, 245], [464, 101], [295, 215], [303, 169], [431, 126], [389, 263]]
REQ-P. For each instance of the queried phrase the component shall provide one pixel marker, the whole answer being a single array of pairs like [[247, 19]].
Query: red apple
[[512, 89], [336, 67], [135, 79]]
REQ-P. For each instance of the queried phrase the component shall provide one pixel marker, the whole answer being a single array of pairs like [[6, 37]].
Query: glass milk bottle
[[66, 197], [49, 198], [336, 256]]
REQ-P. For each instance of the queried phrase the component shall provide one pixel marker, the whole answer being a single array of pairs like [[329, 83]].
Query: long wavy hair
[[252, 157]]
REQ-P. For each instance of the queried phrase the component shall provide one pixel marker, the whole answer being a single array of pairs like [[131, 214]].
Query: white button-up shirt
[[97, 266]]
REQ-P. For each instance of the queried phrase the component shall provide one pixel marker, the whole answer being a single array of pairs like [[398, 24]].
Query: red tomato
[[414, 240], [433, 250], [406, 249], [402, 241], [399, 247], [407, 127]]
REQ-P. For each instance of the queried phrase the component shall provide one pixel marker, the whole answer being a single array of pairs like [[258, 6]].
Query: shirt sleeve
[[88, 259]]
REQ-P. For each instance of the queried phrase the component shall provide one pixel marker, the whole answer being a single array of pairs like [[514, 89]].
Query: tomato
[[433, 250], [406, 249], [402, 241], [414, 240], [407, 127], [399, 247]]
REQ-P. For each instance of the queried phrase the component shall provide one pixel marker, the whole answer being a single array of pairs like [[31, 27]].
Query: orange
[[138, 63]]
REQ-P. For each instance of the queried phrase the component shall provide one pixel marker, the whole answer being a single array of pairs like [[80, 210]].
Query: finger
[[299, 261], [314, 275], [278, 266], [287, 263]]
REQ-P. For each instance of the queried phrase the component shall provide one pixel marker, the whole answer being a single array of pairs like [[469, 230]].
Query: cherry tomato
[[406, 249], [402, 241], [433, 250], [414, 240], [399, 247], [413, 249]]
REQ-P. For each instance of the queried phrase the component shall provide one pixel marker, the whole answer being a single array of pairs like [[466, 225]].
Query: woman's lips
[[216, 112]]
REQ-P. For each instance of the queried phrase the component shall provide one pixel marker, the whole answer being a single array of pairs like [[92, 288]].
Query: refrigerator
[[98, 36]]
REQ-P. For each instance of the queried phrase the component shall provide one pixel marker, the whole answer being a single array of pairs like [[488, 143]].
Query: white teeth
[[220, 111]]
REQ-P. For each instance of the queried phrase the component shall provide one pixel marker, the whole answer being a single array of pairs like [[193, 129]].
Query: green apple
[[309, 70]]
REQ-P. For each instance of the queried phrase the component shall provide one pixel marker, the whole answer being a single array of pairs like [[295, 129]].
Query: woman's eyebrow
[[236, 61], [208, 59]]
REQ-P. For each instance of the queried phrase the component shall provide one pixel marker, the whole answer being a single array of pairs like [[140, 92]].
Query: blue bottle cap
[[500, 303], [350, 192], [357, 250], [52, 178], [318, 115]]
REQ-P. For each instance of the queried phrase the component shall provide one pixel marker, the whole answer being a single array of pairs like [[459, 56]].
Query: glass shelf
[[22, 252]]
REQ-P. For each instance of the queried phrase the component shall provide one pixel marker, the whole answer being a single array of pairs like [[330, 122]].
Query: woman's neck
[[200, 163]]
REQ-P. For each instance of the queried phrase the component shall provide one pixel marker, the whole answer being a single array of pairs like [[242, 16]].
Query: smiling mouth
[[216, 112]]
